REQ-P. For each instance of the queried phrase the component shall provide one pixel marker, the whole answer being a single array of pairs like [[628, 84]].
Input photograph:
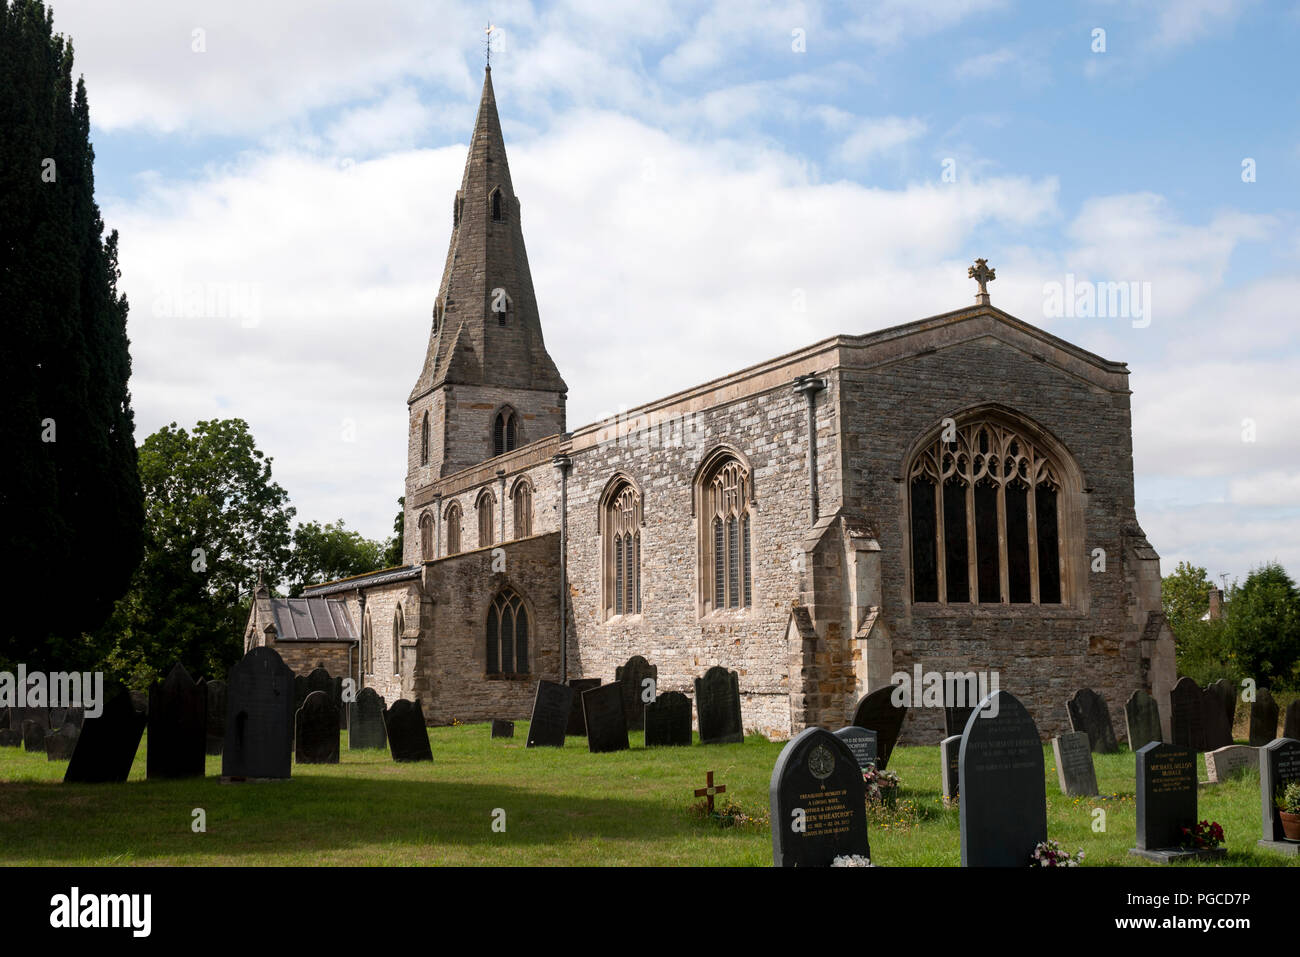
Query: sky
[[705, 186]]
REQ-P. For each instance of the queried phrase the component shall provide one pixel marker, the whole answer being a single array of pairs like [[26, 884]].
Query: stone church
[[954, 493]]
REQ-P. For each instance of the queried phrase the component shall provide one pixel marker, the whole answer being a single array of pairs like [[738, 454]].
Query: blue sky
[[687, 174]]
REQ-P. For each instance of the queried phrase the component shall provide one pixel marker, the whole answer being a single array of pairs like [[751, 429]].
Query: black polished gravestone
[[60, 744], [878, 713], [408, 738], [717, 702], [366, 722], [259, 718], [637, 693], [216, 733], [1291, 727], [1187, 716], [577, 726], [1279, 765], [1219, 701], [316, 734], [107, 744], [178, 727], [1088, 713], [1263, 718], [1166, 803], [34, 736], [817, 800], [1000, 777], [502, 729], [1142, 720], [602, 709], [1074, 771], [552, 705], [949, 751], [668, 720], [861, 742]]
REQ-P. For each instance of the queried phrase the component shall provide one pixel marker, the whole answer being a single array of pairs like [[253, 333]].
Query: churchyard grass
[[562, 806]]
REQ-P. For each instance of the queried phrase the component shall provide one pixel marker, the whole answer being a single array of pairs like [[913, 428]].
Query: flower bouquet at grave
[[882, 786], [1051, 854], [1288, 806], [1204, 836]]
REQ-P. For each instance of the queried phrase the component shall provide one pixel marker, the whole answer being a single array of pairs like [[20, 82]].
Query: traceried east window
[[621, 522], [507, 635], [986, 519], [726, 517]]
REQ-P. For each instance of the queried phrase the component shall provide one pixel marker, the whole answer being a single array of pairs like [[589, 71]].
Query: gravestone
[[1000, 778], [140, 701], [552, 706], [300, 692], [70, 716], [949, 751], [577, 726], [1263, 718], [1222, 763], [1089, 714], [38, 716], [107, 744], [178, 727], [861, 742], [631, 677], [60, 744], [668, 720], [717, 701], [216, 733], [502, 729], [4, 718], [602, 709], [34, 736], [960, 695], [9, 738], [1291, 729], [259, 717], [877, 713], [1220, 703], [817, 802], [1142, 720], [1074, 770], [366, 724], [341, 704], [1279, 765], [319, 680], [316, 735], [1187, 715], [408, 738], [1166, 802]]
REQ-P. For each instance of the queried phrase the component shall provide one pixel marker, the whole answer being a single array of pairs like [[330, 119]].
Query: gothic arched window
[[498, 213], [452, 520], [987, 518], [725, 513], [523, 499], [367, 646], [424, 439], [426, 536], [507, 635], [397, 640], [505, 432], [484, 507], [620, 528]]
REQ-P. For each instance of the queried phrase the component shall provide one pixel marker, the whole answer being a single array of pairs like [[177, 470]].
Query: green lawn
[[562, 806]]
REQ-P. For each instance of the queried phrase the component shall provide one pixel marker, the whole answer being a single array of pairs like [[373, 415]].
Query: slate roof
[[384, 576], [311, 619]]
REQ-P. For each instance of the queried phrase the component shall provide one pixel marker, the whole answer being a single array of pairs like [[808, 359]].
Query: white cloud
[[865, 138], [984, 65], [1267, 488]]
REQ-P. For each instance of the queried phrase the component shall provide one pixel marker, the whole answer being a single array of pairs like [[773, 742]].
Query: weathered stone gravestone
[[1187, 715], [1089, 714], [633, 678], [319, 680], [1292, 727], [552, 706], [178, 727], [60, 744], [717, 701], [949, 751], [862, 742], [1279, 765], [1166, 803], [817, 802], [603, 711], [107, 744], [1074, 770], [577, 727], [1263, 718], [502, 729], [259, 717], [668, 720], [1222, 763], [877, 713], [1142, 720], [1220, 703], [34, 736], [316, 738], [408, 738], [1000, 777], [216, 733], [366, 725]]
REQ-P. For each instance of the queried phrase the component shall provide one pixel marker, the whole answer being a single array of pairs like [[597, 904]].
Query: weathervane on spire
[[487, 43]]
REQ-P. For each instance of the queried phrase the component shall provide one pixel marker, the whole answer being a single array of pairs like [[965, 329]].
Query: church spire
[[486, 330]]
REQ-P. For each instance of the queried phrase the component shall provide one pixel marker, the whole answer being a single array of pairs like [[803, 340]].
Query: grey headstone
[[668, 720], [949, 752], [877, 712], [862, 742], [366, 724], [60, 744], [631, 677], [552, 707], [1220, 703], [1088, 713], [1000, 776], [717, 702], [216, 733], [602, 709], [259, 717], [1187, 715], [1224, 762], [178, 727], [316, 739], [1074, 770], [1263, 718], [34, 736], [577, 726], [502, 729], [107, 744], [1142, 720], [817, 781], [408, 737], [1166, 795], [1279, 765]]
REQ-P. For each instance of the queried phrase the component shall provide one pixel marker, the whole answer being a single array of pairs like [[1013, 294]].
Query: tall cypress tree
[[70, 499]]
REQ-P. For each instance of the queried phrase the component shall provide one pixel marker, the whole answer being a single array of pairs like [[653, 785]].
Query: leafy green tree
[[70, 494], [324, 553], [393, 555], [1185, 595], [1199, 646], [1263, 627]]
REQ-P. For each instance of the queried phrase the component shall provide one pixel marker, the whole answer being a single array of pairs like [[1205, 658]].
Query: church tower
[[488, 384]]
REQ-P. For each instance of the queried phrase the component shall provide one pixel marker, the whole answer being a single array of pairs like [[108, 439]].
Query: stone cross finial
[[983, 275]]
